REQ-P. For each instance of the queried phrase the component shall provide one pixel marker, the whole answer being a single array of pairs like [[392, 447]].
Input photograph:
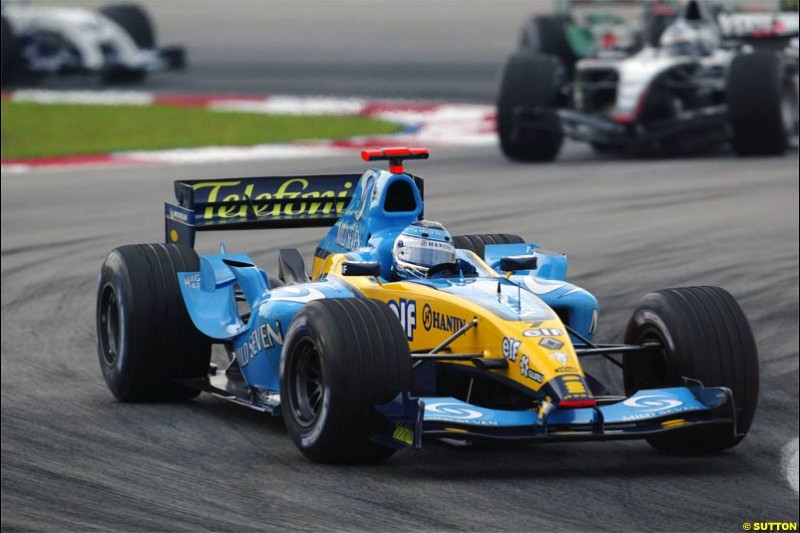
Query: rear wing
[[565, 6], [758, 27], [252, 203], [255, 203]]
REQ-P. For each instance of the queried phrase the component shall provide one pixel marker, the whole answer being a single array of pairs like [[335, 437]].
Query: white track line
[[790, 463]]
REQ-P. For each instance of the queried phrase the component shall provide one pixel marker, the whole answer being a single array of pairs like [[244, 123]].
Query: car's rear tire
[[705, 336], [134, 20], [532, 82], [340, 359], [762, 104], [477, 243], [548, 35], [145, 337], [10, 53]]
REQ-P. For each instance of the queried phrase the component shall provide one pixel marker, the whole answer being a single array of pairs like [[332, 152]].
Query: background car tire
[[757, 91], [477, 243], [547, 35], [9, 52], [134, 20], [145, 337], [706, 337], [532, 82], [654, 28], [352, 354]]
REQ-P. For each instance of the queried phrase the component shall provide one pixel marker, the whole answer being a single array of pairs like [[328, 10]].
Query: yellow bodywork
[[439, 314]]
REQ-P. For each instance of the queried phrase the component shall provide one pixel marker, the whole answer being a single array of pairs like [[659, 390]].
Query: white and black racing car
[[715, 77], [116, 43]]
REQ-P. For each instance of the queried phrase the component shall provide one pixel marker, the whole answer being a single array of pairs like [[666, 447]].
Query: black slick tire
[[531, 82], [340, 359], [477, 243], [760, 96], [145, 337], [705, 336]]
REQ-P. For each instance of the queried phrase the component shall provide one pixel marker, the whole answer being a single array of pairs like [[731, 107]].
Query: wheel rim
[[307, 387], [109, 325]]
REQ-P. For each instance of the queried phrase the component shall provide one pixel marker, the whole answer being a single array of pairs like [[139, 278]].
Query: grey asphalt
[[75, 459]]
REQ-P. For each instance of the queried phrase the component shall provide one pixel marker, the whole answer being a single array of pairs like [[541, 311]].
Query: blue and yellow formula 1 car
[[361, 361]]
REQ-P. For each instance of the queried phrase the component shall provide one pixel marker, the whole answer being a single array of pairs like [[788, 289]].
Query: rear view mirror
[[518, 262], [361, 268]]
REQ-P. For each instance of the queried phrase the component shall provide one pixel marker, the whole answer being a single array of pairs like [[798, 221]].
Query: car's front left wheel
[[342, 357], [705, 336]]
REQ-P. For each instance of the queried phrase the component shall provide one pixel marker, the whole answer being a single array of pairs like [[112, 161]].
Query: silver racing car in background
[[117, 43], [714, 77]]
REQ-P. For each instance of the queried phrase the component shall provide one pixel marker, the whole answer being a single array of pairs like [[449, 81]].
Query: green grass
[[31, 130]]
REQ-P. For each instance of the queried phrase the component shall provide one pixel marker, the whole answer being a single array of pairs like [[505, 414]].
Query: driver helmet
[[420, 246], [684, 39]]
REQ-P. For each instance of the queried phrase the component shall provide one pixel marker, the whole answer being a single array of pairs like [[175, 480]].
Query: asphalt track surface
[[75, 459]]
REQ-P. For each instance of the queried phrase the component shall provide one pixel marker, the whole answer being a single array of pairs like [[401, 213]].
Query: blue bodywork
[[366, 230]]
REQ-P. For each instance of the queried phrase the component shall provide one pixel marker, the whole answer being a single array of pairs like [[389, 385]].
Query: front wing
[[641, 415], [690, 129]]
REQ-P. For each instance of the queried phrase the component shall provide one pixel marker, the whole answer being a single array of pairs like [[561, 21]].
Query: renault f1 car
[[360, 364], [715, 77], [116, 43]]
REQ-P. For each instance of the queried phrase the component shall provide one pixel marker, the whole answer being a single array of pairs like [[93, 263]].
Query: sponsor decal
[[427, 243], [299, 295], [193, 281], [348, 236], [540, 286], [456, 412], [653, 402], [654, 405], [511, 348], [432, 319], [542, 332], [550, 343], [403, 433], [561, 357], [365, 200], [406, 312], [526, 370], [184, 216], [567, 370], [264, 337], [272, 198], [576, 388]]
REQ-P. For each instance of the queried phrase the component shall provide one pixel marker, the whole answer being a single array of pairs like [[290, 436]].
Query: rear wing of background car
[[564, 7], [759, 27], [254, 203]]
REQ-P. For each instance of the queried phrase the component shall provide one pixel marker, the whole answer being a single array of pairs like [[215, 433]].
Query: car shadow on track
[[606, 459]]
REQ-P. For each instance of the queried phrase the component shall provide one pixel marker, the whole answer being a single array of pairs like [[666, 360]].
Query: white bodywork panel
[[86, 30]]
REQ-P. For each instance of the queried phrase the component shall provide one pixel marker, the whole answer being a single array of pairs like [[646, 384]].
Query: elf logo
[[406, 312]]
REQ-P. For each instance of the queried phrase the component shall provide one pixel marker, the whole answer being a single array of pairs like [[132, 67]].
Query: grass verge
[[35, 130]]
